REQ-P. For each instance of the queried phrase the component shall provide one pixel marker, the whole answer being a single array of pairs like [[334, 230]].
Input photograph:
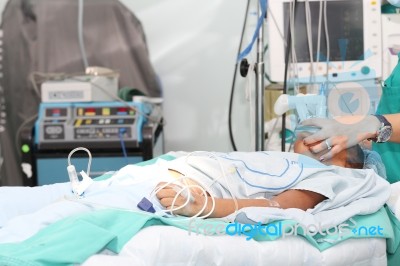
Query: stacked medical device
[[85, 111]]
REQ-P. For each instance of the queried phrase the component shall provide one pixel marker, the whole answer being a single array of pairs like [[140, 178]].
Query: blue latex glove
[[336, 135]]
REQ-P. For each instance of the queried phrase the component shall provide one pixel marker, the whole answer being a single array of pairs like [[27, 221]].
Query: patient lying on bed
[[290, 198], [264, 179]]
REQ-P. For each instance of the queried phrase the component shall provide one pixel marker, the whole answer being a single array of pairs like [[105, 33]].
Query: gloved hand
[[339, 134]]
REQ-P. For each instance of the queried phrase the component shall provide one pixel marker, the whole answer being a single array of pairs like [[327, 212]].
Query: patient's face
[[300, 148]]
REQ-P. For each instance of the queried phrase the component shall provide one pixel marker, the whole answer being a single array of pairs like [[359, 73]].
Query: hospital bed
[[169, 245], [161, 244]]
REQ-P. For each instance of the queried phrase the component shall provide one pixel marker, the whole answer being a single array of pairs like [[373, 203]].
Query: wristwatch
[[385, 130]]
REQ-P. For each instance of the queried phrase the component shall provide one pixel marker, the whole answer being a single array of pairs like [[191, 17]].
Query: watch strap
[[385, 125], [383, 120]]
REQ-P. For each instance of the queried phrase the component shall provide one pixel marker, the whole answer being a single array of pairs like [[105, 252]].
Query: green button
[[25, 148], [365, 70]]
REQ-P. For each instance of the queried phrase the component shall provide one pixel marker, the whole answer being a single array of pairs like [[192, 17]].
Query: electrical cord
[[81, 149], [121, 138], [183, 187], [327, 42], [294, 71], [205, 189], [309, 39], [265, 73], [290, 41], [231, 137], [287, 54], [223, 174], [263, 7], [272, 131], [271, 14], [80, 34], [328, 56], [321, 4], [189, 197], [79, 187]]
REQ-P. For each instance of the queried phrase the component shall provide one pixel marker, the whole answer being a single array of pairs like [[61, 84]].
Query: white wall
[[193, 46]]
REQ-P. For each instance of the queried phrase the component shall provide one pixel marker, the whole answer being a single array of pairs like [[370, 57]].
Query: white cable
[[159, 188], [295, 62], [81, 149], [216, 179], [327, 42], [186, 187], [198, 214], [294, 66], [80, 34], [309, 39], [93, 204], [188, 196], [277, 27], [319, 30], [272, 131], [108, 207], [294, 70], [326, 31]]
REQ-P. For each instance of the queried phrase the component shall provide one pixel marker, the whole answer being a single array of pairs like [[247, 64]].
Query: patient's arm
[[301, 199]]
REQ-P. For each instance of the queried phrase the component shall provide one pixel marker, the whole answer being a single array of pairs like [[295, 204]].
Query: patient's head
[[351, 158]]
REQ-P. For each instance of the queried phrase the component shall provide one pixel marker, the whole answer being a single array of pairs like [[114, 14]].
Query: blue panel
[[54, 170]]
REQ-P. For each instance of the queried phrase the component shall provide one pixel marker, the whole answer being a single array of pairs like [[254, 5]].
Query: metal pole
[[260, 88]]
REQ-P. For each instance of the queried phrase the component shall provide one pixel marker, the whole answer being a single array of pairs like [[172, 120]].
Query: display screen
[[345, 30]]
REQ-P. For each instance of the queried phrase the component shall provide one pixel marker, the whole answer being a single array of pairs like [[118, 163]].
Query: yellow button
[[106, 111]]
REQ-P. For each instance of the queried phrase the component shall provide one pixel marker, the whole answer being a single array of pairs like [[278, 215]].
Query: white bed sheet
[[167, 245]]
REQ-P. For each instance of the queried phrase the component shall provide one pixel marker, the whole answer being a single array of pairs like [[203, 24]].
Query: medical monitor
[[354, 37]]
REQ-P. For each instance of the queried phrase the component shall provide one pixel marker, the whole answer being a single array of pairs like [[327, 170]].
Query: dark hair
[[355, 157]]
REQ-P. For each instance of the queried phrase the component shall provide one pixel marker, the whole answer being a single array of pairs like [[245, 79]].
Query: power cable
[[287, 54], [231, 137]]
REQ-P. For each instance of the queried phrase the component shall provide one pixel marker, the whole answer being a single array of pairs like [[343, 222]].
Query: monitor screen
[[354, 34], [346, 35]]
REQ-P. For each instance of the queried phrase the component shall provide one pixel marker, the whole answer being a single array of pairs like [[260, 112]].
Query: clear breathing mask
[[307, 106]]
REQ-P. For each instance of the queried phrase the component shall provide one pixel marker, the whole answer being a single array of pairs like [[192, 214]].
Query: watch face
[[384, 134]]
